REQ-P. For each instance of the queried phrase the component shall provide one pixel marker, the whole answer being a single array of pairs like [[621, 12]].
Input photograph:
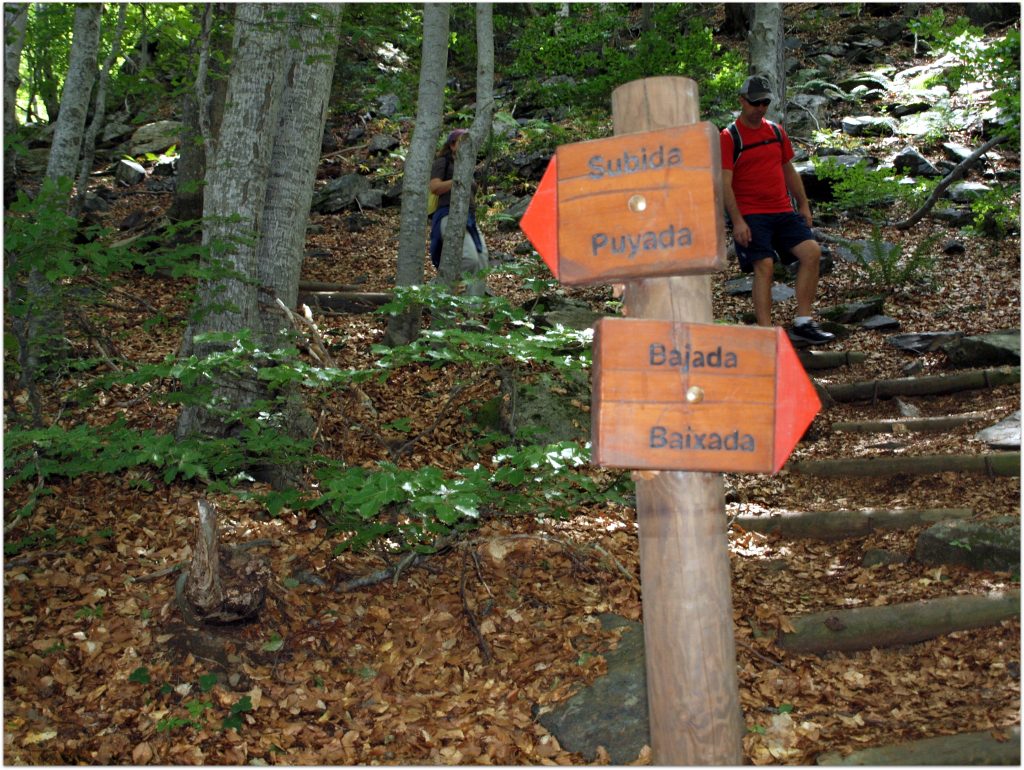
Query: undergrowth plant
[[888, 268], [866, 190], [386, 505]]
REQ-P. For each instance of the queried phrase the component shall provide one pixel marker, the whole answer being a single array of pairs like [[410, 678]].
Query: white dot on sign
[[694, 394], [637, 203]]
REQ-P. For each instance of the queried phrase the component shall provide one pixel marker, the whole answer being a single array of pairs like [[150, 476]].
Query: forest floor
[[100, 668]]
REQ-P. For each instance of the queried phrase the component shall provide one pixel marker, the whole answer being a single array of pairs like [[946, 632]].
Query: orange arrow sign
[[697, 397], [631, 206]]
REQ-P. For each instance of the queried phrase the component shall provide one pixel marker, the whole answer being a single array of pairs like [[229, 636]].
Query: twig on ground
[[485, 649]]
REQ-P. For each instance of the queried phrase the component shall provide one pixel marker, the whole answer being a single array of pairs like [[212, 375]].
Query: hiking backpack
[[737, 140]]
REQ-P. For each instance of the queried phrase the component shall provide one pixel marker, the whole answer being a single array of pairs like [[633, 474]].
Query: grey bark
[[74, 102], [997, 464], [15, 24], [99, 114], [766, 39], [923, 386], [865, 627], [236, 187], [403, 328], [465, 159]]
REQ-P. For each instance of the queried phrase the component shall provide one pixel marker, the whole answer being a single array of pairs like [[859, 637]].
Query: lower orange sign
[[697, 397]]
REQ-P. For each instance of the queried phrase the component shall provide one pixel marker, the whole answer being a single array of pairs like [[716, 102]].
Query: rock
[[339, 193], [370, 199], [921, 343], [880, 323], [382, 144], [854, 311], [738, 287], [155, 137], [865, 251], [387, 105], [509, 222], [116, 130], [869, 125], [881, 557], [964, 192], [953, 216], [954, 248], [913, 368], [535, 411], [166, 165], [910, 108], [909, 160], [994, 349], [809, 114], [978, 545], [1005, 434], [129, 172], [612, 712]]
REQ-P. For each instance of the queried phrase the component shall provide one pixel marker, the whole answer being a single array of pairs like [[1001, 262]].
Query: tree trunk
[[767, 38], [74, 102], [15, 24], [998, 464], [98, 116], [465, 159], [201, 111], [862, 628], [924, 386], [236, 187], [403, 328], [840, 525]]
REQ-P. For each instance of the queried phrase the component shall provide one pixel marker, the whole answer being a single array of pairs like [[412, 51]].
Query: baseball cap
[[756, 88], [456, 134]]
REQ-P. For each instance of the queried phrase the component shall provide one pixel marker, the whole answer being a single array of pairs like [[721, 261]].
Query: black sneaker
[[810, 333]]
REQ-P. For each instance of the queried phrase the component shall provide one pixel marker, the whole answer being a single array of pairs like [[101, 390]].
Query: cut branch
[[346, 301], [862, 628], [997, 464], [837, 525], [924, 386]]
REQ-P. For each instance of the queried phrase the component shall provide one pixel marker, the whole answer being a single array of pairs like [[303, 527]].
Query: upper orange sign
[[631, 206], [697, 397]]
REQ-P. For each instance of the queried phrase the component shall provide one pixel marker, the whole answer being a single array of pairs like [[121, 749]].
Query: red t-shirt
[[757, 181]]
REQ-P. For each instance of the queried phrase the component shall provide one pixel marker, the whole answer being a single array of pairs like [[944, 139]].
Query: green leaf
[[275, 643], [140, 675], [207, 682]]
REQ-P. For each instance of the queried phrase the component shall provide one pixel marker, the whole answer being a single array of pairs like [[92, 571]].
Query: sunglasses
[[759, 102]]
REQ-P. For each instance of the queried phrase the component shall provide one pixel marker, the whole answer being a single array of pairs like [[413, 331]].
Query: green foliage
[[862, 189], [580, 60], [996, 212], [889, 268], [995, 62]]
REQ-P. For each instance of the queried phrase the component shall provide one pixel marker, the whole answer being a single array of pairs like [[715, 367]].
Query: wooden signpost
[[675, 396]]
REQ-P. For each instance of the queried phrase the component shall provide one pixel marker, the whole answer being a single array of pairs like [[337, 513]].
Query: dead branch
[[485, 649]]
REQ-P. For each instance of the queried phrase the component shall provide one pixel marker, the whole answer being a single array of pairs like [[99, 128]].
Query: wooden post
[[692, 687]]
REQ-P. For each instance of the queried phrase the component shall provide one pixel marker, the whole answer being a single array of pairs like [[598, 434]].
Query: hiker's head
[[755, 97], [454, 138]]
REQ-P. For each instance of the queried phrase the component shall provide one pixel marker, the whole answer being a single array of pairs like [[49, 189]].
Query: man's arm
[[740, 229], [796, 189]]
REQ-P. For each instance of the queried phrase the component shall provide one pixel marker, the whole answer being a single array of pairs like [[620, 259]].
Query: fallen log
[[924, 386], [829, 359], [862, 628], [838, 525], [345, 301], [308, 286], [913, 425], [998, 746], [996, 464]]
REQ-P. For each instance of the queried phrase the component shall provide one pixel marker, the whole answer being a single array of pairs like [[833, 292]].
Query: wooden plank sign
[[631, 206], [697, 397]]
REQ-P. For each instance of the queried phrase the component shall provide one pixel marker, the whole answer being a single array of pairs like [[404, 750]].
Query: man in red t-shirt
[[757, 188]]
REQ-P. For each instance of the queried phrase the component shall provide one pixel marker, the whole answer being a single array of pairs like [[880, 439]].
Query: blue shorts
[[771, 237]]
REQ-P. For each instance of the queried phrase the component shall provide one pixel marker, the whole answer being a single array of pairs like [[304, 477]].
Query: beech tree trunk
[[74, 101], [15, 24], [862, 628], [767, 38], [403, 328], [465, 159], [259, 186]]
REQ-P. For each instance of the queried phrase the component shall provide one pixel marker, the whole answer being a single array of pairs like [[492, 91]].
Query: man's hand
[[741, 231], [805, 210]]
